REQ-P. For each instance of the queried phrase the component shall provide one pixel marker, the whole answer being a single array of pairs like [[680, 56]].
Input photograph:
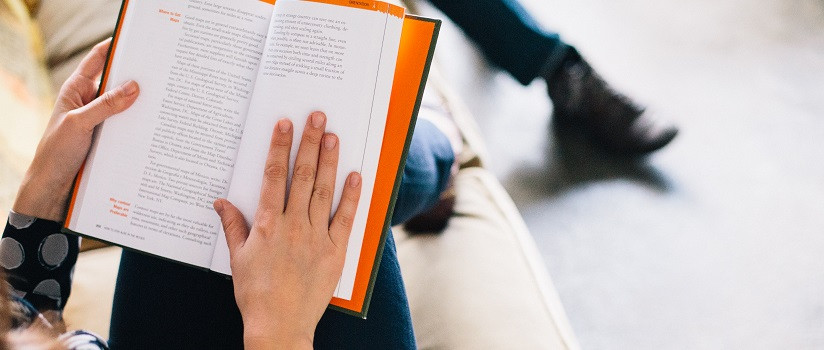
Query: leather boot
[[581, 98]]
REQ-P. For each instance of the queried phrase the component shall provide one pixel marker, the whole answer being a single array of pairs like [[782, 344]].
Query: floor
[[712, 243]]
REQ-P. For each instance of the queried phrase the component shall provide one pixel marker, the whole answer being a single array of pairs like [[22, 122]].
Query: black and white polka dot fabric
[[38, 260]]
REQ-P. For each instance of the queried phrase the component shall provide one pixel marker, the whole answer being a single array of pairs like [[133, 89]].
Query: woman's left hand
[[286, 265], [45, 190]]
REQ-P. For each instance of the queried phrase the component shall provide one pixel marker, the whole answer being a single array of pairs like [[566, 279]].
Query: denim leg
[[159, 304], [426, 175], [388, 324], [507, 35], [164, 305]]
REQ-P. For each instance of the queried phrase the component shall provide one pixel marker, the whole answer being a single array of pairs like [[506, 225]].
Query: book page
[[320, 57], [156, 168]]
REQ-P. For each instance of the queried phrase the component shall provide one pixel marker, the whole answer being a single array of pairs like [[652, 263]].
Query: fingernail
[[284, 126], [354, 180], [129, 88], [330, 141], [317, 119]]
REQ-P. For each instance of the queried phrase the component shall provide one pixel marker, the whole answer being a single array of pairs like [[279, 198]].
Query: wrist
[[42, 199], [261, 329], [254, 340]]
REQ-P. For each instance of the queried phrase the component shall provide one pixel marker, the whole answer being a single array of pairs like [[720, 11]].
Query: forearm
[[43, 199]]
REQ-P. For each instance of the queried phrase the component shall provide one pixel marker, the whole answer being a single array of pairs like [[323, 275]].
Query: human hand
[[286, 267], [45, 190]]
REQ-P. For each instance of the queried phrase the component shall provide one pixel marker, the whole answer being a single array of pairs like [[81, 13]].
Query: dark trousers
[[507, 35], [164, 305]]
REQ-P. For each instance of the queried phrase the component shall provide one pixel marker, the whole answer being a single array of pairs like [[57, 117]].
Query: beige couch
[[479, 284]]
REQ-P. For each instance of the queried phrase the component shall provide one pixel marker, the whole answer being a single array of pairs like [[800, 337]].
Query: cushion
[[70, 29], [25, 96], [480, 284]]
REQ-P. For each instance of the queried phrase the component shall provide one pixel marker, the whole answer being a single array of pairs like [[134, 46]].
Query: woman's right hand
[[286, 266]]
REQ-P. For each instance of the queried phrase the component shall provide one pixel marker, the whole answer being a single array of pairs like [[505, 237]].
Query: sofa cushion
[[70, 29], [480, 284]]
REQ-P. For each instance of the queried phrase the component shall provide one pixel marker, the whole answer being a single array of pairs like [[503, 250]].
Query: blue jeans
[[507, 35], [164, 305]]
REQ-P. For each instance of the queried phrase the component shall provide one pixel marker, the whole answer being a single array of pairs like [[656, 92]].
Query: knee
[[426, 174]]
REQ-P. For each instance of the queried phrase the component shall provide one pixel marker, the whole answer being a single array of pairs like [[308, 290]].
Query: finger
[[306, 163], [320, 205], [107, 105], [83, 81], [276, 171], [344, 217], [92, 65], [234, 225]]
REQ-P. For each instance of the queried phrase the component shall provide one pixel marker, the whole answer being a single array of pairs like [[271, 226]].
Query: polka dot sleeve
[[38, 260]]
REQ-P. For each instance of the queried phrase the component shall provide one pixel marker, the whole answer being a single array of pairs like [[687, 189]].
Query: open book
[[215, 76]]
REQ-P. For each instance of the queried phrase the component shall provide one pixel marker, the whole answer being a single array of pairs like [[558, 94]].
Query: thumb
[[110, 103], [234, 225]]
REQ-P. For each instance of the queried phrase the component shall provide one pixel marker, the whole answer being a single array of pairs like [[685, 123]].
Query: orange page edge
[[373, 5], [411, 72]]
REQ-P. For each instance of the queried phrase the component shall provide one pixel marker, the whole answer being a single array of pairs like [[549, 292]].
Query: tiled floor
[[716, 242]]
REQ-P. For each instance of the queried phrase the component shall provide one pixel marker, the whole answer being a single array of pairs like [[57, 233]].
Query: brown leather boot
[[581, 98]]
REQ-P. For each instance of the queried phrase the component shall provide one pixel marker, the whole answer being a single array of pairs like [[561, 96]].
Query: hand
[[45, 190], [286, 268]]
